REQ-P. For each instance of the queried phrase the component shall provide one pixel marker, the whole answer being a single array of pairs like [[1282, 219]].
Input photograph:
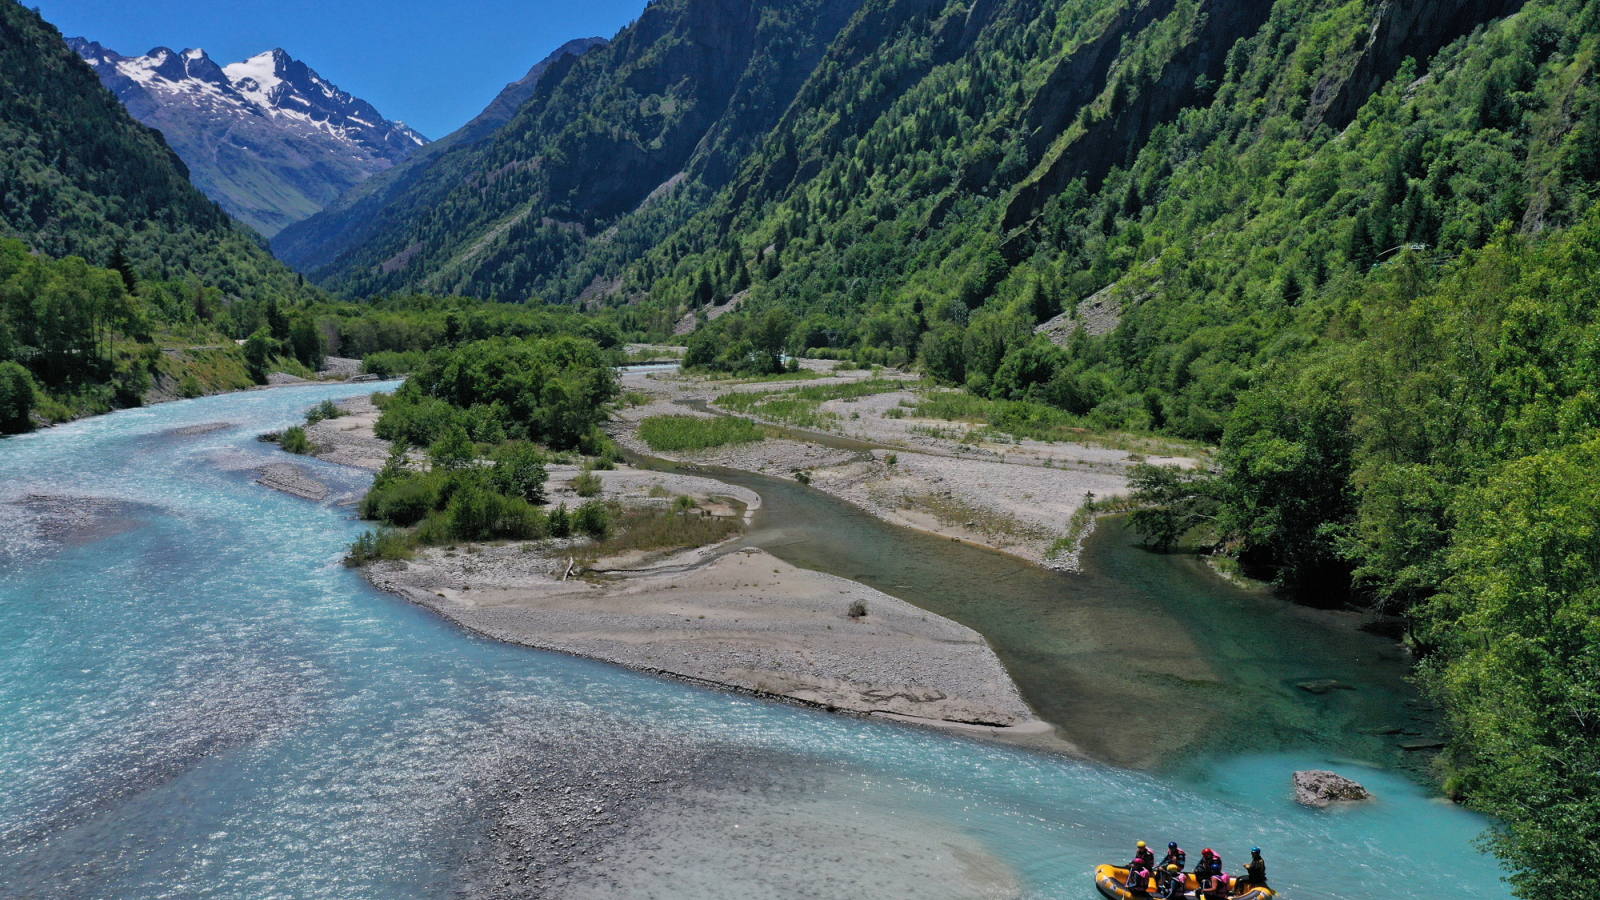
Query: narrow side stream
[[1143, 659]]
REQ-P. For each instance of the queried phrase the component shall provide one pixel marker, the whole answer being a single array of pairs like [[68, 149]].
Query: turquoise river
[[199, 700]]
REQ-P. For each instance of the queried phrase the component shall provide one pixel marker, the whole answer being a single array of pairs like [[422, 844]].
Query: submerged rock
[[1318, 788], [1323, 686]]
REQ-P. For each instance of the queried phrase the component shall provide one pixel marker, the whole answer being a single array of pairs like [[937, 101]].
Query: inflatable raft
[[1112, 882]]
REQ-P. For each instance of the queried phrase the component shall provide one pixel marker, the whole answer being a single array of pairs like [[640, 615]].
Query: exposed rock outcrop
[[1401, 30], [1319, 788]]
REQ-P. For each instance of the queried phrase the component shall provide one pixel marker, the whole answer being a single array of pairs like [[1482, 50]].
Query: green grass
[[673, 433], [1023, 419], [953, 406], [800, 407], [801, 375], [652, 530]]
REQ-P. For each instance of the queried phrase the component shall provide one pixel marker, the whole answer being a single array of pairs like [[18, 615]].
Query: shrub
[[522, 520], [519, 471], [385, 543], [437, 528], [587, 485], [475, 512], [858, 609], [324, 410], [190, 387], [403, 501], [673, 433], [453, 450], [17, 395], [388, 363], [552, 390], [294, 440], [592, 519], [419, 423], [561, 522]]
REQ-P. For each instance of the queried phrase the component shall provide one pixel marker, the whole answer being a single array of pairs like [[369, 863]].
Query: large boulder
[[1317, 788]]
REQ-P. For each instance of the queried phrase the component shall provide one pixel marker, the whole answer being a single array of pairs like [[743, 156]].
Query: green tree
[[1287, 455], [519, 471], [453, 451], [1519, 624], [16, 398], [307, 343], [259, 349], [1173, 501]]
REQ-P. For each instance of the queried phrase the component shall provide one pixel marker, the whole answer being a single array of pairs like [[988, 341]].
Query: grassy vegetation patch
[[959, 513], [798, 375], [801, 407], [1027, 420], [674, 433], [652, 529]]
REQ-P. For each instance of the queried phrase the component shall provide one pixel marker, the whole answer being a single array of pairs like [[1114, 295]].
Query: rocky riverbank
[[723, 615], [744, 620]]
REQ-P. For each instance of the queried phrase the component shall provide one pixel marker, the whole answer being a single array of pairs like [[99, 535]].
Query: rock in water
[[1316, 788]]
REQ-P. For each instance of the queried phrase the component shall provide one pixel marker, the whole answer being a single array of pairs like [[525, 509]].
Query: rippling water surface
[[200, 701]]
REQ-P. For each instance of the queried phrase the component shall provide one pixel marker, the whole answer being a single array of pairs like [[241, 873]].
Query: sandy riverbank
[[742, 620]]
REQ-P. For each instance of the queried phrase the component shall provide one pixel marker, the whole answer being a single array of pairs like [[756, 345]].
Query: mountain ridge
[[314, 242], [267, 137], [690, 87]]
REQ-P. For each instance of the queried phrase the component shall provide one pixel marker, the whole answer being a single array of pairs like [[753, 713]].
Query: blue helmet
[[1255, 851], [1172, 845]]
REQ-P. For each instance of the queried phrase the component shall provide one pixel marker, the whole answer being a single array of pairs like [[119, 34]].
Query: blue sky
[[432, 63]]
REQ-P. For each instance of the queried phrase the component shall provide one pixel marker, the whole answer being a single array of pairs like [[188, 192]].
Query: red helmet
[[1207, 852]]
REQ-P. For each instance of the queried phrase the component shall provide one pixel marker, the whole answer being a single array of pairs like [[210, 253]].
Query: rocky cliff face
[[1400, 29], [268, 138]]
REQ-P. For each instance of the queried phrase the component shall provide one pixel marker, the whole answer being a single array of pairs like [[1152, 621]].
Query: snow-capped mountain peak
[[269, 111], [258, 77]]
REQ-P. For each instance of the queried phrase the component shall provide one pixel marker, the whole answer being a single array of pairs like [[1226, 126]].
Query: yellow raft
[[1112, 882]]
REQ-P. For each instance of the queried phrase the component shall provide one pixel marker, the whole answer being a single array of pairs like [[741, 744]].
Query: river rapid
[[200, 701]]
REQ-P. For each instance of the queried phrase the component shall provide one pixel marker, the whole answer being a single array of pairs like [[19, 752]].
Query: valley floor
[[724, 614], [738, 617], [929, 474]]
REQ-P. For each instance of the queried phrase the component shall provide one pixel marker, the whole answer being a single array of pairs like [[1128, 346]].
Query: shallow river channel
[[200, 701]]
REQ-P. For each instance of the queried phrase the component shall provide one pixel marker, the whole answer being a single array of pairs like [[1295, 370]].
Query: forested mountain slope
[[78, 176], [688, 88], [356, 214], [117, 277]]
